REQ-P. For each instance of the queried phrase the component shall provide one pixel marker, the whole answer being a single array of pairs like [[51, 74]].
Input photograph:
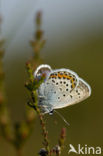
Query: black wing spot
[[60, 89], [71, 86], [67, 89], [71, 96], [53, 81], [63, 94]]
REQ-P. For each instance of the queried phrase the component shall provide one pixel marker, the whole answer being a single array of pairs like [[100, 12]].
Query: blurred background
[[74, 34]]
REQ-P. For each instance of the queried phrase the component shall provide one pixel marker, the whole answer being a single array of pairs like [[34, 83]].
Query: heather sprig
[[33, 84]]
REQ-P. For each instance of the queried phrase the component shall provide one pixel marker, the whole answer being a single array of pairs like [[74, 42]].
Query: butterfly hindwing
[[80, 93]]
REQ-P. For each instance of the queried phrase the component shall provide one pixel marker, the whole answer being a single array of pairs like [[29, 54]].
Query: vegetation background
[[74, 34]]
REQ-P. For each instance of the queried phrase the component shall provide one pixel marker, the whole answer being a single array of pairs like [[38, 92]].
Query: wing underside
[[80, 93]]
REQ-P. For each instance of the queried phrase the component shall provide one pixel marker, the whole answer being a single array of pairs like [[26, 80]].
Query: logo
[[84, 149]]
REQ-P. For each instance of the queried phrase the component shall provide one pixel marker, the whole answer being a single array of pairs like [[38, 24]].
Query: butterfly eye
[[38, 77]]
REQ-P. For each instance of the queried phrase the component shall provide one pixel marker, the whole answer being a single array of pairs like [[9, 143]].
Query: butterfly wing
[[55, 90], [62, 88], [78, 94]]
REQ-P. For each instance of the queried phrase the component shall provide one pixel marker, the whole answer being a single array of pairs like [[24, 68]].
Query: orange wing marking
[[63, 76]]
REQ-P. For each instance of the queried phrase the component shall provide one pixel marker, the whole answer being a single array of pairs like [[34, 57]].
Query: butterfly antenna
[[62, 117]]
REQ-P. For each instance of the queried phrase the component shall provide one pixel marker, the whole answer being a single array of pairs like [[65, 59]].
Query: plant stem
[[45, 132]]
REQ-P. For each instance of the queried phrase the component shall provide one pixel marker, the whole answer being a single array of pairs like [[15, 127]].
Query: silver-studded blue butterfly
[[61, 88]]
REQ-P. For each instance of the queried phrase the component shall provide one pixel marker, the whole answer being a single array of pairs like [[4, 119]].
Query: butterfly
[[61, 88]]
